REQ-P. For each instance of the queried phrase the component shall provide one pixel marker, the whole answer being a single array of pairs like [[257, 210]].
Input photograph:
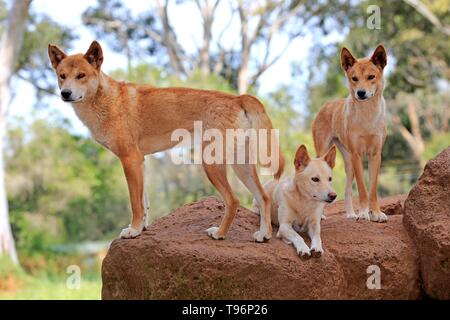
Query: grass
[[46, 283], [41, 288]]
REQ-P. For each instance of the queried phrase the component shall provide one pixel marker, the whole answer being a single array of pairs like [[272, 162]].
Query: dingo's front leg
[[362, 191], [316, 240], [133, 166], [374, 169], [287, 233]]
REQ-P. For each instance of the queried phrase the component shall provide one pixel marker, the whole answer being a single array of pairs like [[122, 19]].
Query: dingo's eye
[[371, 77], [315, 179], [355, 79], [81, 76], [330, 179], [62, 76]]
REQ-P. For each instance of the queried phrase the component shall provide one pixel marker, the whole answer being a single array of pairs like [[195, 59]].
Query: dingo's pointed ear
[[301, 157], [379, 57], [330, 157], [347, 59], [94, 55], [56, 55]]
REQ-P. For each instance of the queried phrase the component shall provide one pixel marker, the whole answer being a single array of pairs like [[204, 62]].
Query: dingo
[[300, 200], [357, 126], [134, 120]]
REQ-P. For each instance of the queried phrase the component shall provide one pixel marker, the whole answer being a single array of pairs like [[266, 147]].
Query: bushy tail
[[260, 120]]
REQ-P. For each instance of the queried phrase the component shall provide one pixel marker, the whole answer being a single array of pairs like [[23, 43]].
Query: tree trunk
[[413, 138], [9, 50], [207, 11], [243, 74]]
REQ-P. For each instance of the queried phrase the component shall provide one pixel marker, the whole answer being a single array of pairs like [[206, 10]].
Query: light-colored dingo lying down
[[300, 200]]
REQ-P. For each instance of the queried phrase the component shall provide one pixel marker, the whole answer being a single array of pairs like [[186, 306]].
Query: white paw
[[351, 215], [323, 216], [364, 214], [145, 222], [130, 232], [261, 236], [213, 233], [316, 252], [378, 216], [303, 251]]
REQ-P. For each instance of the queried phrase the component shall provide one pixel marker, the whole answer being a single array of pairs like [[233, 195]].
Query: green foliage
[[33, 64], [44, 278], [62, 188], [43, 288], [436, 145]]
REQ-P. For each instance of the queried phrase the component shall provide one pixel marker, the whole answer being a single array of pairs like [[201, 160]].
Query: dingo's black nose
[[361, 94], [332, 196], [66, 94]]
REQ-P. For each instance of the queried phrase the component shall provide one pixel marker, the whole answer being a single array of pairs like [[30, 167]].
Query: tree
[[241, 63], [11, 43], [22, 56]]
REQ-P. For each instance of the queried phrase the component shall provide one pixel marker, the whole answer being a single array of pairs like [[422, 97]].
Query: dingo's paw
[[316, 253], [351, 215], [378, 216], [213, 233], [316, 248], [130, 232], [323, 216], [145, 223], [364, 214], [304, 252], [261, 236]]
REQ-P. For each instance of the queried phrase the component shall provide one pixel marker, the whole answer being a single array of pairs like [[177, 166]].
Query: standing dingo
[[134, 120], [357, 126]]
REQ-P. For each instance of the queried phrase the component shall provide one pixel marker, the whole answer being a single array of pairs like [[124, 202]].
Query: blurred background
[[63, 198]]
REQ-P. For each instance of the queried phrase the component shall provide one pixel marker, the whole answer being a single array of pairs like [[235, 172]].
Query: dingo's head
[[78, 74], [314, 176], [365, 76]]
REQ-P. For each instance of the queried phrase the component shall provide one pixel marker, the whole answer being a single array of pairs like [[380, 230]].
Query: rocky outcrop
[[175, 259], [390, 205], [427, 219]]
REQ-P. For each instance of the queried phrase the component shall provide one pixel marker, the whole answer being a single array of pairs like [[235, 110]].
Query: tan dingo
[[300, 200], [357, 126], [134, 120]]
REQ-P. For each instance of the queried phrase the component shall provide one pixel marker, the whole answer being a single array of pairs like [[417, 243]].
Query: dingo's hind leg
[[249, 177], [217, 174]]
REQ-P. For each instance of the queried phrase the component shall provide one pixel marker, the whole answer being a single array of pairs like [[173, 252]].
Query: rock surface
[[389, 205], [175, 259], [427, 220]]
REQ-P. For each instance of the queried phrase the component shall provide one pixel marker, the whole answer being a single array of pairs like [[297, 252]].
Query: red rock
[[175, 259], [427, 220], [390, 205]]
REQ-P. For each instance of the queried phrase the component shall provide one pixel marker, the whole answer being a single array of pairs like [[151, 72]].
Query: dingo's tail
[[259, 119]]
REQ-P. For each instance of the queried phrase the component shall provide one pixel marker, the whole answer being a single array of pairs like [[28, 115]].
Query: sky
[[183, 17]]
